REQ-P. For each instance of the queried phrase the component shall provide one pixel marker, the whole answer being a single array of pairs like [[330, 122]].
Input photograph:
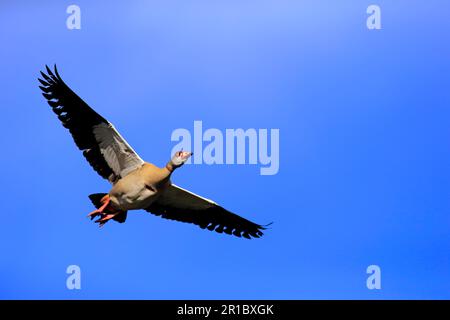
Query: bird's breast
[[133, 193]]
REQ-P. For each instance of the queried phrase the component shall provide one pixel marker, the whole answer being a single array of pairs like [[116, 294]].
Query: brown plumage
[[136, 184]]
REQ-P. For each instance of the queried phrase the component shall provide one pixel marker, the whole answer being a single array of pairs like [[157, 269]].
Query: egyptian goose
[[135, 184]]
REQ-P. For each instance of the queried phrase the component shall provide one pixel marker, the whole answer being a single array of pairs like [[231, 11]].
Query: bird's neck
[[170, 167]]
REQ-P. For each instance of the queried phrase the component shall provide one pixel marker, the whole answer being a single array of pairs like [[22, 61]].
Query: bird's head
[[179, 158]]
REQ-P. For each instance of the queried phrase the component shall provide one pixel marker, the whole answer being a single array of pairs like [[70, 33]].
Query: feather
[[178, 204], [108, 153]]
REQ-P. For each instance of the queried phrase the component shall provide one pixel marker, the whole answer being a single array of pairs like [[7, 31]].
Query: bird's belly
[[133, 196]]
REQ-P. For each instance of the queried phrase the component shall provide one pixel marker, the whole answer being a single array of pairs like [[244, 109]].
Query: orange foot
[[106, 200], [106, 217]]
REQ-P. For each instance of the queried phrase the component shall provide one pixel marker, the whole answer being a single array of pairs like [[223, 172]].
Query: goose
[[136, 184]]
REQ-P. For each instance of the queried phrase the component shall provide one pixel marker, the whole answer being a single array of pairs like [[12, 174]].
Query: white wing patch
[[119, 155], [195, 195]]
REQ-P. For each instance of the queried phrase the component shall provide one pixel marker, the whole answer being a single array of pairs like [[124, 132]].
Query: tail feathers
[[95, 199], [121, 217]]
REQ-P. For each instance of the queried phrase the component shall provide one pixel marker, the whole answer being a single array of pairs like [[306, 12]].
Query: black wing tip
[[44, 83], [251, 233], [265, 226], [56, 72], [258, 233], [245, 233], [50, 77], [49, 70], [45, 76]]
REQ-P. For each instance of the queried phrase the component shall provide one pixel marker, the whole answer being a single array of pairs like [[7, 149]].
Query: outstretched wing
[[178, 204], [103, 147]]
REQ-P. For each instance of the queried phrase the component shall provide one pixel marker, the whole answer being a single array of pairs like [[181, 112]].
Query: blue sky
[[364, 123]]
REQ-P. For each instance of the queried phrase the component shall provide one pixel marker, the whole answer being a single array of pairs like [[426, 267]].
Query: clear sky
[[364, 120]]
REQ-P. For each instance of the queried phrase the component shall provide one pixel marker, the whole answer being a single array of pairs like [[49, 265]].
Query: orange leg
[[105, 202], [106, 211], [106, 217]]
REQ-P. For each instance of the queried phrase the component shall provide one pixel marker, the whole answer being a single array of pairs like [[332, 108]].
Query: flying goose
[[136, 184]]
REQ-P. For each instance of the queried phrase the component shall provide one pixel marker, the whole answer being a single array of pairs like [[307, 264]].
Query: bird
[[136, 184]]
